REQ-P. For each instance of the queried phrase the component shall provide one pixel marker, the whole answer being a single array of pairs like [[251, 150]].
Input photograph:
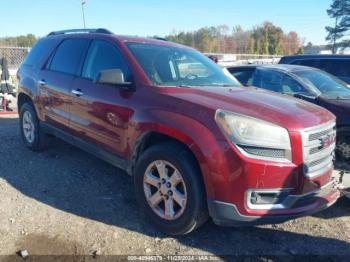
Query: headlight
[[255, 138]]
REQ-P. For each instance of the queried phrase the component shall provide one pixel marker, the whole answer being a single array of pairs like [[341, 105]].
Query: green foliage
[[21, 41], [340, 12], [265, 39]]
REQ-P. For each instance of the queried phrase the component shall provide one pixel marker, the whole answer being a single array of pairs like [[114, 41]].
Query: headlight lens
[[258, 139]]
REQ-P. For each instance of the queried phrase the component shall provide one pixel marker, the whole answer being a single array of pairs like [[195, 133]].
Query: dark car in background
[[310, 84], [337, 65]]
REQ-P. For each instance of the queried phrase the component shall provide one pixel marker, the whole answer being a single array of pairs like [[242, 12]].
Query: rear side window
[[243, 75], [39, 51], [68, 56], [101, 56]]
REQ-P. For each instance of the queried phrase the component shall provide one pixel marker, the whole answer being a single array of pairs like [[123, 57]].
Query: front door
[[100, 113]]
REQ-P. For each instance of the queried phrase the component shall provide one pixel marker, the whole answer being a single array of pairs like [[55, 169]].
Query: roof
[[94, 33], [315, 56], [279, 67]]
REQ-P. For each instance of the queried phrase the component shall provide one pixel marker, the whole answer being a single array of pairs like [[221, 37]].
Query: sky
[[161, 17]]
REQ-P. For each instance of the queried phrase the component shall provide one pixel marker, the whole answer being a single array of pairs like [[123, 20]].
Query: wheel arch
[[154, 137]]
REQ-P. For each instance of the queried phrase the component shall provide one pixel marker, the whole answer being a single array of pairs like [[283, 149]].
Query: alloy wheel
[[165, 190], [28, 127]]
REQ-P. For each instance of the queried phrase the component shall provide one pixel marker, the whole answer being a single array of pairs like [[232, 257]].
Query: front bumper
[[227, 214]]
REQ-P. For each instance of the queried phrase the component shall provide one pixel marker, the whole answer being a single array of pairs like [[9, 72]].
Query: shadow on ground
[[71, 180]]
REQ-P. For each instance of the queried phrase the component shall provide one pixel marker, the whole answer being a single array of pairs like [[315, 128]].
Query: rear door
[[100, 113], [55, 80]]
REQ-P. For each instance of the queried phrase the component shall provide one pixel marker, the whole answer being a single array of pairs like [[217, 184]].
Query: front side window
[[279, 82], [291, 87], [271, 80], [101, 56], [173, 66], [68, 56]]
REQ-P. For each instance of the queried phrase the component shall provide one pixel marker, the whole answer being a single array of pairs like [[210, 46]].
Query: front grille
[[318, 149]]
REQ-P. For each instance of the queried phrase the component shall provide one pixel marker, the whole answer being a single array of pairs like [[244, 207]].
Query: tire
[[343, 144], [187, 184], [29, 122]]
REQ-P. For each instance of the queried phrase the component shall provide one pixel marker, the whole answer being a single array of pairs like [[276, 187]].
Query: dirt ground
[[65, 202]]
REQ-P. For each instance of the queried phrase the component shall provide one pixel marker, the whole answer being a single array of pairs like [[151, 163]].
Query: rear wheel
[[31, 131], [170, 190], [343, 144]]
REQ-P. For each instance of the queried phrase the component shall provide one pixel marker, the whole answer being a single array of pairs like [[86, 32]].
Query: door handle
[[77, 92], [42, 83]]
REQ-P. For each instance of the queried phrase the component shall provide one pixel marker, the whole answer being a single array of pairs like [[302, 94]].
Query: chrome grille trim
[[318, 159]]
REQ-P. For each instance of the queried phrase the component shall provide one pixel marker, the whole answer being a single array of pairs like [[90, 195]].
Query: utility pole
[[83, 2]]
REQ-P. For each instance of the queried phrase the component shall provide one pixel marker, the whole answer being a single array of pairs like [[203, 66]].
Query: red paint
[[114, 119]]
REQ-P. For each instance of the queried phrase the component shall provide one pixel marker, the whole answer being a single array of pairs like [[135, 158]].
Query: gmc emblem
[[327, 141]]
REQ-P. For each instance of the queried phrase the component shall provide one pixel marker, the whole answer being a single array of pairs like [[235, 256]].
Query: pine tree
[[340, 12]]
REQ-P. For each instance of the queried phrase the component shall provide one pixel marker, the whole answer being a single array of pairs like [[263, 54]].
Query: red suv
[[196, 142]]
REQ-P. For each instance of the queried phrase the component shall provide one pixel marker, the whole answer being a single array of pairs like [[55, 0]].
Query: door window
[[271, 80], [290, 86], [68, 56], [101, 56], [243, 75]]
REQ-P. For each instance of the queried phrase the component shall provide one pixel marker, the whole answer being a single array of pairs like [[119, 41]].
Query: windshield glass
[[172, 66], [327, 84]]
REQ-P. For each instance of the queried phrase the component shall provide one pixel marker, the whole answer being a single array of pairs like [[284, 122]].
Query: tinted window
[[68, 56], [271, 80], [40, 49], [243, 75], [102, 56], [311, 63], [337, 67], [279, 82], [290, 86]]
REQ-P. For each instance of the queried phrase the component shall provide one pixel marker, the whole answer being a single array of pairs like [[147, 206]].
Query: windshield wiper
[[187, 86], [223, 85]]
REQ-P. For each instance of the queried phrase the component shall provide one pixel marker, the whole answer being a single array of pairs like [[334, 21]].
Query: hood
[[339, 107], [339, 103], [290, 113]]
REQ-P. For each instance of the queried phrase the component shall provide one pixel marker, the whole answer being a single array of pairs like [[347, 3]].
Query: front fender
[[196, 136]]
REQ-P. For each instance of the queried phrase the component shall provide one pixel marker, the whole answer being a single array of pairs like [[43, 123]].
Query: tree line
[[20, 41], [264, 39]]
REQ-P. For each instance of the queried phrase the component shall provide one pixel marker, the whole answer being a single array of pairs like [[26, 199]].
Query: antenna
[[83, 2]]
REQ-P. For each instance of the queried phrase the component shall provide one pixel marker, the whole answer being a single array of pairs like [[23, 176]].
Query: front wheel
[[170, 190]]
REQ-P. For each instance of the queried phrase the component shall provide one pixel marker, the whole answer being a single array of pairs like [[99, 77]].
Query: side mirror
[[113, 77]]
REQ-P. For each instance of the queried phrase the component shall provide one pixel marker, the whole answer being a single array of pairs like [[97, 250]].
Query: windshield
[[182, 67], [327, 84]]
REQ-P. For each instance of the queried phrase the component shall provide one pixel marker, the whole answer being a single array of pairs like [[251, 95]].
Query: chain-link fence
[[14, 55]]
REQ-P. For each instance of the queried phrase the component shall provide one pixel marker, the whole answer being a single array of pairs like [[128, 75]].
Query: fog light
[[268, 199]]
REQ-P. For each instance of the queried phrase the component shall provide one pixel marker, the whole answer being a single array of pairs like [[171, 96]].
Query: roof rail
[[77, 31], [159, 38]]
